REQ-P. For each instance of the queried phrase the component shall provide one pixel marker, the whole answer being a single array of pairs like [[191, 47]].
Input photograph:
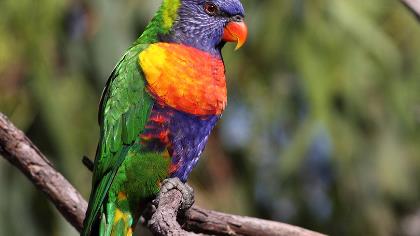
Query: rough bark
[[164, 219], [23, 154], [217, 223]]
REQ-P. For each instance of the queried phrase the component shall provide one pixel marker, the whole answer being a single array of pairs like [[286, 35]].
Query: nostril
[[237, 18]]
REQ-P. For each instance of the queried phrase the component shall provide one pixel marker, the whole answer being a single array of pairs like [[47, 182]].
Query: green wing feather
[[124, 109]]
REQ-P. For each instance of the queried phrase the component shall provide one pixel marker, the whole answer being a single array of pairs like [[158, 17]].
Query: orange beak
[[235, 31]]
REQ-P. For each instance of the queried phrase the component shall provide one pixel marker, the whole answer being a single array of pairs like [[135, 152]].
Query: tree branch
[[163, 220], [413, 6], [23, 154], [217, 223]]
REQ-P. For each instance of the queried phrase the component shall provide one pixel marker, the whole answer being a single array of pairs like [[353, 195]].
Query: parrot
[[158, 108]]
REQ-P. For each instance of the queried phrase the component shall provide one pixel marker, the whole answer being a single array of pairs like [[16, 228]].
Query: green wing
[[124, 109]]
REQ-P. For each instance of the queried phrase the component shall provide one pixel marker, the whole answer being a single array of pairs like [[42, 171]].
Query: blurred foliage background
[[322, 128]]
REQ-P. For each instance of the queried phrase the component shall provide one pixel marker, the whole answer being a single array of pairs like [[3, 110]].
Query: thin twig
[[23, 154]]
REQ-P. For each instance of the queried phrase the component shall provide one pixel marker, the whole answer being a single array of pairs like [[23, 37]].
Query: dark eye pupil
[[210, 8]]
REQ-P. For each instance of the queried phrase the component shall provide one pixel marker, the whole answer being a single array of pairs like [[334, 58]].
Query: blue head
[[208, 24]]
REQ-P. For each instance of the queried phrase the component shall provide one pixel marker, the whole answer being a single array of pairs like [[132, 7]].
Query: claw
[[186, 190]]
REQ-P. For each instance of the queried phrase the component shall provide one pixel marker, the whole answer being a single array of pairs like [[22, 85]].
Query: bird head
[[204, 24]]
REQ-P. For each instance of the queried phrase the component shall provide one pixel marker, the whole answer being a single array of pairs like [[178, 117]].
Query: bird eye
[[211, 9]]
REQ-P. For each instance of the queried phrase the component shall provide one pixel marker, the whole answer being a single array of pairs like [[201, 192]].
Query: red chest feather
[[185, 78]]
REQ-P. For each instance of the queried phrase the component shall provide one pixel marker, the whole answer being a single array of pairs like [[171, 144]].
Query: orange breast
[[185, 78]]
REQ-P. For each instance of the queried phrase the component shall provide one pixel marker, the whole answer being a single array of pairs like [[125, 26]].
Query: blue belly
[[186, 139]]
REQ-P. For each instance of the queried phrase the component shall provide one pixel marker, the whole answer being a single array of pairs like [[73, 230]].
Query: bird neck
[[165, 27], [162, 22]]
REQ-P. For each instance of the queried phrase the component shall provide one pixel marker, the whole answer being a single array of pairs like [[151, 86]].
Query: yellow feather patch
[[169, 12], [119, 215], [130, 232], [124, 216]]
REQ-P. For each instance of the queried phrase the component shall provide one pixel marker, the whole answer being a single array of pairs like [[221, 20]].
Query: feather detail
[[185, 78]]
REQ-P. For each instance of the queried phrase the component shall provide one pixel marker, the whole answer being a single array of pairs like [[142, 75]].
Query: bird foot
[[186, 190], [174, 198]]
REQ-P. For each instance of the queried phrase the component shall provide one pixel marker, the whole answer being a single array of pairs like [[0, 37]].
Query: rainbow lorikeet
[[158, 108]]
